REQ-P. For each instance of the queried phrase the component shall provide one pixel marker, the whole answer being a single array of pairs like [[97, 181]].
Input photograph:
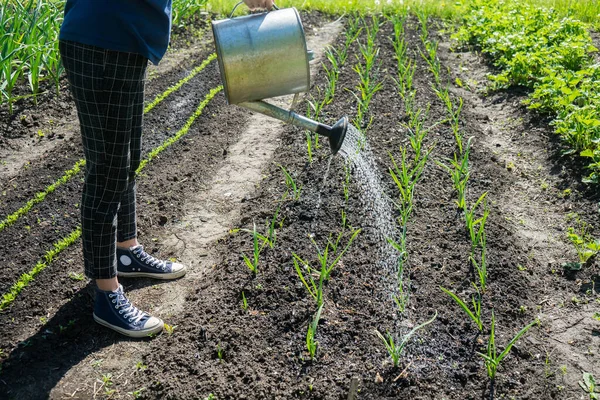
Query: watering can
[[263, 56]]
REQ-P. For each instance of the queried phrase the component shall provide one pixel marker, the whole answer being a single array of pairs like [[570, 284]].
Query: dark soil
[[260, 352]]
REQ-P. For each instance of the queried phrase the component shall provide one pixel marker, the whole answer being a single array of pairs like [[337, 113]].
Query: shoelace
[[148, 259], [128, 310]]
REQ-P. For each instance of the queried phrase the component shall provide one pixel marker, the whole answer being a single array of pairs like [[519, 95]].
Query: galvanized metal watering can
[[263, 56]]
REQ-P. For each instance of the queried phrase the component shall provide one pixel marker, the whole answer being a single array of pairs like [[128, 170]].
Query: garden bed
[[223, 348]]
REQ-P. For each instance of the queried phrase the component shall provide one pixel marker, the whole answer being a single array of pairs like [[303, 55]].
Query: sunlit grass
[[586, 10]]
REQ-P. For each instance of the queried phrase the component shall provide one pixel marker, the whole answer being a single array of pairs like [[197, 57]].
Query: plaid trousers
[[108, 88]]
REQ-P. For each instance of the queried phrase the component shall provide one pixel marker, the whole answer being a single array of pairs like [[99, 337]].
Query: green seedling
[[459, 172], [492, 359], [586, 246], [252, 264], [314, 278], [220, 352], [346, 185], [170, 329], [395, 350], [475, 314], [137, 394], [332, 74], [476, 226], [589, 386], [244, 302], [294, 189], [140, 366], [311, 343], [481, 266], [76, 276]]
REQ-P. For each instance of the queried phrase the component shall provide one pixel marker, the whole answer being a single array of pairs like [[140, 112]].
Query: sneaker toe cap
[[176, 267], [153, 324]]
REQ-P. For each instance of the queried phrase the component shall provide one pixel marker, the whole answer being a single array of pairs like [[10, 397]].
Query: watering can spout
[[335, 133]]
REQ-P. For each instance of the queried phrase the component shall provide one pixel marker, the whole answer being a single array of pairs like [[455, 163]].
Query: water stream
[[358, 154]]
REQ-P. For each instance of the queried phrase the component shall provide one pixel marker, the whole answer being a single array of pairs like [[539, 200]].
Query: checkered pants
[[108, 88]]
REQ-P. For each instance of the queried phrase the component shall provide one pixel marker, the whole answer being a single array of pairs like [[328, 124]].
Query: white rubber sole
[[133, 334], [165, 276]]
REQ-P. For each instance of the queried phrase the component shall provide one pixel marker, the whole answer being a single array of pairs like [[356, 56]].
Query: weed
[[76, 276], [170, 329], [395, 350], [475, 315], [589, 386], [584, 243]]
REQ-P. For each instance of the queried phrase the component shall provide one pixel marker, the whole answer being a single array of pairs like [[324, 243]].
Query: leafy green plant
[[492, 359], [395, 349], [475, 314], [584, 243], [589, 386], [46, 260], [549, 53], [311, 343]]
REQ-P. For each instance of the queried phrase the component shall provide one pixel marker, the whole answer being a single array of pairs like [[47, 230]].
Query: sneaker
[[135, 263], [113, 310]]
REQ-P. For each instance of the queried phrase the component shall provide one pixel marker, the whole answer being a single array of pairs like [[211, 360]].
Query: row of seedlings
[[29, 47], [475, 217], [406, 173], [62, 244], [72, 172], [336, 60]]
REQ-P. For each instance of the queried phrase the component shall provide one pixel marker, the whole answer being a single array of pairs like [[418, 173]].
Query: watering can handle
[[240, 3]]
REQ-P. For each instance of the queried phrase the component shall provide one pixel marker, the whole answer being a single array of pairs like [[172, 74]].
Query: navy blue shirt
[[133, 26]]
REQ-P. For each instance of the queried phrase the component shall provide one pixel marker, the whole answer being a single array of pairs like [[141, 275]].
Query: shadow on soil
[[70, 336]]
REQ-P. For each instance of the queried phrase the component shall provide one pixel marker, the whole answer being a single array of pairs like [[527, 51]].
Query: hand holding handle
[[254, 4]]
